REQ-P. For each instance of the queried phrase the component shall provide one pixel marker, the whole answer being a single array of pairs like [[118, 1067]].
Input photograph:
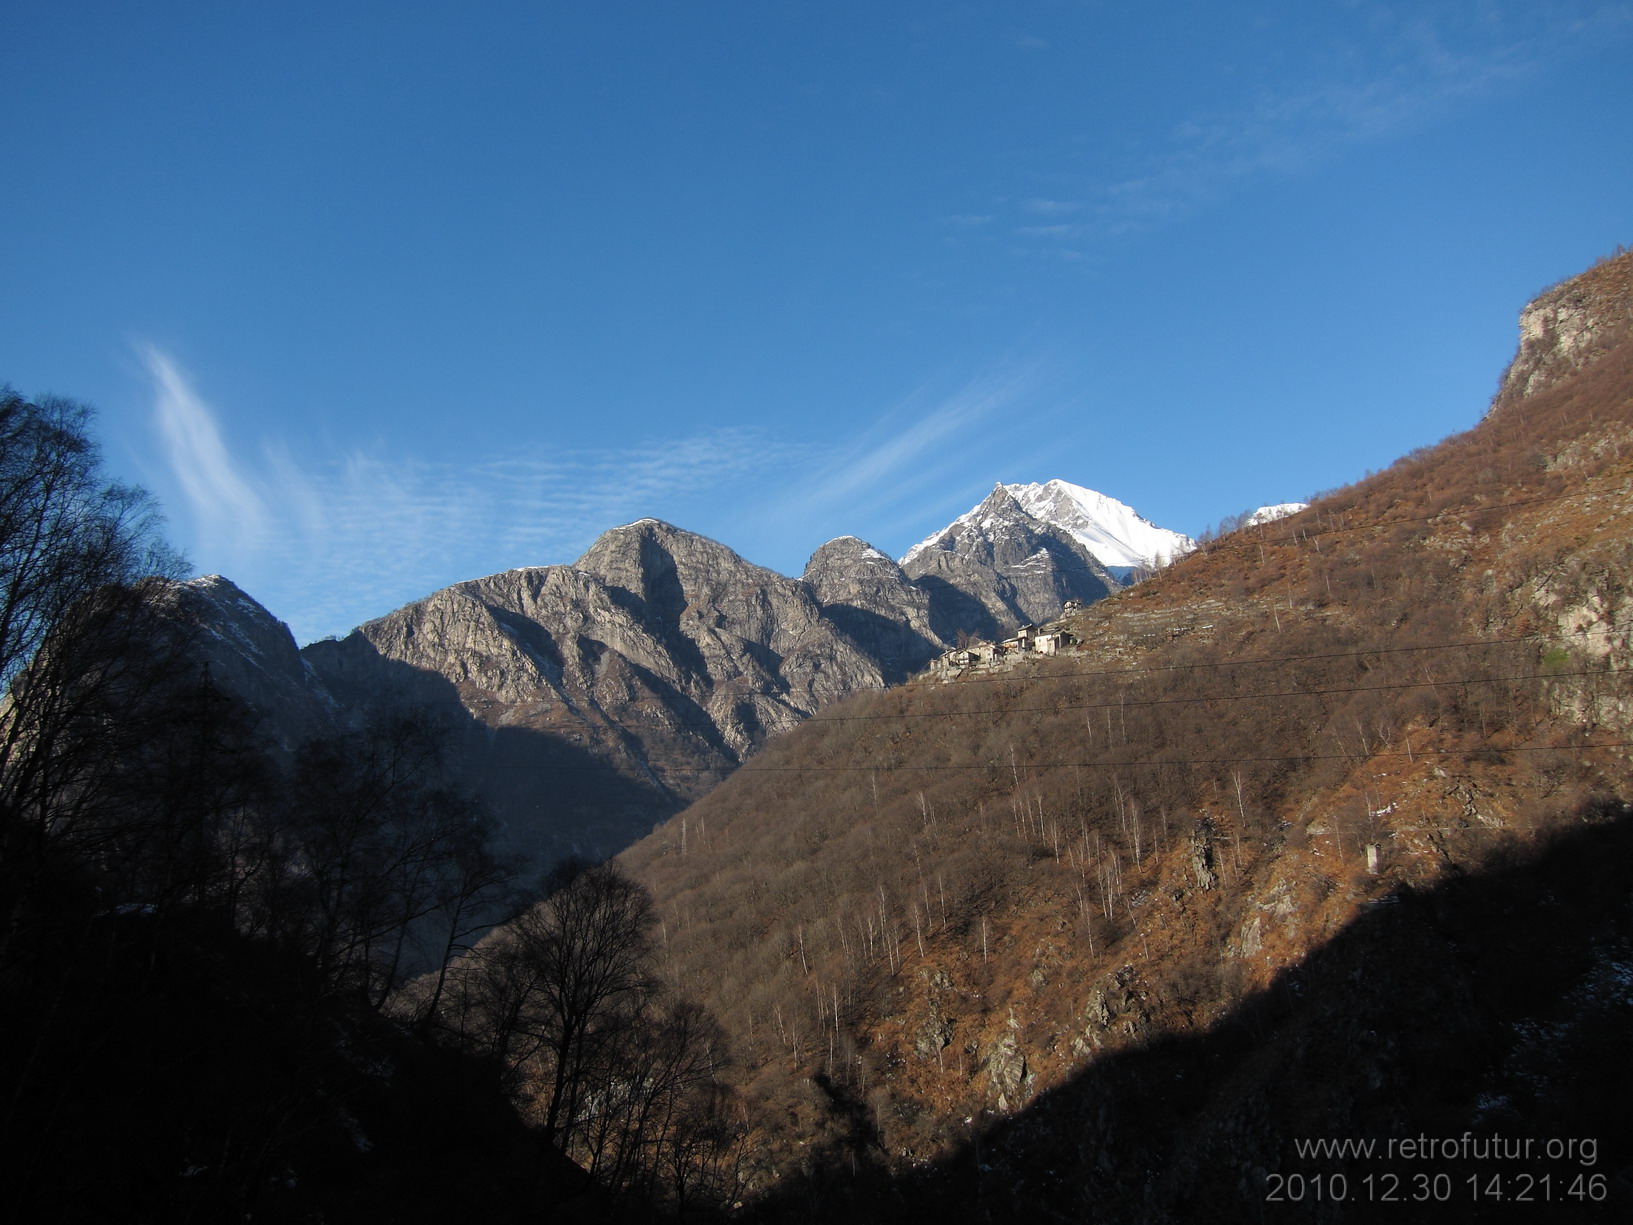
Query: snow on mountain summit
[[1117, 534]]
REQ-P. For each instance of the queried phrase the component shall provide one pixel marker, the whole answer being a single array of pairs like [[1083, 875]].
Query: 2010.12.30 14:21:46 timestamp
[[1421, 1188]]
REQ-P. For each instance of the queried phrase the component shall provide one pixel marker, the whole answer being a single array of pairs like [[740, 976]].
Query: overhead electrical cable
[[1412, 754], [1134, 703], [1254, 660]]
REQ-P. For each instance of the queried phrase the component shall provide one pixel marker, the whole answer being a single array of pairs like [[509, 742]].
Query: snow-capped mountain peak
[[1115, 533], [975, 522], [999, 566]]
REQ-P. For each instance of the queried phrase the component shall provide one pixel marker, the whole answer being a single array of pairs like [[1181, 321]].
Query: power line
[[750, 767], [1453, 682], [1283, 659], [1231, 540], [1000, 766], [1220, 697]]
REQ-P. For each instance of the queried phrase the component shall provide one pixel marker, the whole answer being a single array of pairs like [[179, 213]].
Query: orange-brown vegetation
[[924, 908]]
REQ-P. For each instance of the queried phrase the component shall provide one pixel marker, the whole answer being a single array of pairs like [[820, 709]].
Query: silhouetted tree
[[622, 1078], [83, 641], [589, 943], [370, 863]]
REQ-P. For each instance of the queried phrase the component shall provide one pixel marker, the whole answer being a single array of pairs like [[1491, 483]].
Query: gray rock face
[[591, 701], [252, 655], [1008, 1076], [1562, 328], [871, 600], [601, 697], [752, 646], [999, 567]]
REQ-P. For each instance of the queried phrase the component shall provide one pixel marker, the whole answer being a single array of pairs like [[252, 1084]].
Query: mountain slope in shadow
[[1474, 1039]]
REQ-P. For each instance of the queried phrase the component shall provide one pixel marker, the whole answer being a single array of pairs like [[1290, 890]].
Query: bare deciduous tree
[[82, 573]]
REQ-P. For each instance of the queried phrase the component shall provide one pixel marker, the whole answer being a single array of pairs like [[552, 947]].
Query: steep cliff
[[252, 655], [868, 597], [599, 697], [1562, 328], [1000, 566]]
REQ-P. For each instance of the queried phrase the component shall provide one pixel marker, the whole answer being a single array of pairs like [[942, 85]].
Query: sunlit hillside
[[931, 915]]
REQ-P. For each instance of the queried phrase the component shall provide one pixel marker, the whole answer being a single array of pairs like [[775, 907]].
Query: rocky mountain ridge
[[249, 652], [598, 696], [591, 700], [873, 601], [1564, 327], [1119, 537], [999, 566]]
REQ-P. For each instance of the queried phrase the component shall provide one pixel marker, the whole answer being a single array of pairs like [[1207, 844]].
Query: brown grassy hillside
[[925, 909]]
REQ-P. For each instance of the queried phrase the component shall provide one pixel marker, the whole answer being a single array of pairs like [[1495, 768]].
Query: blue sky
[[380, 296]]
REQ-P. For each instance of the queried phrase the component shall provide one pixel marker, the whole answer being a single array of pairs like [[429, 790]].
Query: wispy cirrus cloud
[[222, 499], [331, 541], [1052, 208], [921, 460], [1420, 69]]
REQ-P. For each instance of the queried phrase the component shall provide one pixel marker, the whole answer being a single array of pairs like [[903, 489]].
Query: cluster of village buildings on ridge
[[1029, 641]]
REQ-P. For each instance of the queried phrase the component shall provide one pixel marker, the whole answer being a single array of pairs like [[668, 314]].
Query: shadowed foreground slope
[[1494, 1005]]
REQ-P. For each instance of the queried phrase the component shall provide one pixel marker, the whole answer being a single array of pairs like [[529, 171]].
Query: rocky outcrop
[[250, 654], [999, 567], [753, 647], [1008, 1077], [868, 597], [1564, 327]]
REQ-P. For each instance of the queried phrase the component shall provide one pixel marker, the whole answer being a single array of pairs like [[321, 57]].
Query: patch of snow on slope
[[957, 529], [1269, 514]]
